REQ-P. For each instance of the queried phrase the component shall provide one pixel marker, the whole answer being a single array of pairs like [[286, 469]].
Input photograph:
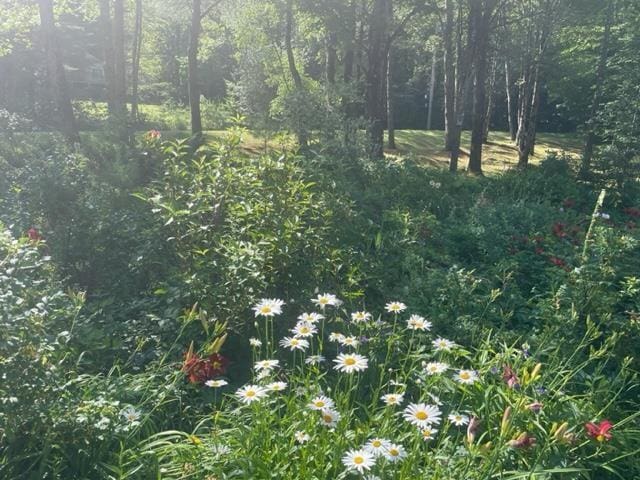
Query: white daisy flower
[[359, 317], [301, 437], [395, 453], [268, 307], [377, 446], [314, 359], [359, 460], [393, 398], [320, 403], [416, 322], [349, 341], [434, 368], [428, 433], [336, 337], [304, 329], [216, 383], [350, 363], [312, 317], [251, 393], [131, 415], [422, 415], [276, 386], [443, 345], [294, 343], [395, 307], [326, 299], [220, 450], [266, 365], [329, 417], [254, 342], [458, 419], [467, 377], [262, 374]]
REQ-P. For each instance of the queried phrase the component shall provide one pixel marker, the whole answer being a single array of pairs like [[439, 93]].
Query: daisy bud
[[504, 425]]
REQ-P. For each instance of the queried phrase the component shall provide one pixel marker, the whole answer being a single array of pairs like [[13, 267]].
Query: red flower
[[599, 432], [34, 235], [199, 370], [632, 212], [153, 135], [558, 230], [510, 377], [558, 262]]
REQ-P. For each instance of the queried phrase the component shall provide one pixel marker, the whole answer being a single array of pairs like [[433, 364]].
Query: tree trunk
[[107, 47], [432, 87], [449, 81], [192, 65], [490, 101], [120, 72], [511, 113], [331, 58], [601, 72], [480, 19], [56, 74], [375, 78], [301, 133], [391, 129], [350, 44], [135, 61]]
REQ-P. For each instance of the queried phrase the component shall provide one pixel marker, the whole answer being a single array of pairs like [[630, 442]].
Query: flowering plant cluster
[[351, 393]]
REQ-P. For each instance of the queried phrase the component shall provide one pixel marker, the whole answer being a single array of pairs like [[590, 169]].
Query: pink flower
[[510, 377], [599, 431], [34, 235]]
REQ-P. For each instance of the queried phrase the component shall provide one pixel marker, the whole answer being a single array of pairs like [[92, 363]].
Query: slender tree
[[106, 29], [135, 60], [391, 129], [432, 86], [120, 66], [56, 74], [192, 66], [303, 138]]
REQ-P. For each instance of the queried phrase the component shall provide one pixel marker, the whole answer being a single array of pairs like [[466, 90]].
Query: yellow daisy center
[[327, 418], [323, 301], [349, 361], [265, 309], [319, 403], [422, 415], [393, 452], [358, 460], [250, 393], [465, 375]]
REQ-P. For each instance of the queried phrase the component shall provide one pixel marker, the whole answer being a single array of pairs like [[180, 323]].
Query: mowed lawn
[[498, 155]]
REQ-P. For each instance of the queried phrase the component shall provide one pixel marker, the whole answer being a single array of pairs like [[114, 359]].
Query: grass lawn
[[498, 155]]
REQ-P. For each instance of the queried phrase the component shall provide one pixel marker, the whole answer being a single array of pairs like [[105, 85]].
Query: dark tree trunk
[[192, 61], [449, 81], [601, 72], [331, 58], [303, 139], [391, 129], [56, 74], [350, 44], [120, 72], [432, 87], [135, 61], [481, 18], [511, 112], [375, 78], [107, 48]]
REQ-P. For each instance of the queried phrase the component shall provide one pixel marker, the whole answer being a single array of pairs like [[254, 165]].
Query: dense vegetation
[[273, 294]]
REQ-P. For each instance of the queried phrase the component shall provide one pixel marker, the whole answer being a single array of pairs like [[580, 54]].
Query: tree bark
[[481, 17], [374, 88], [120, 72], [192, 65], [391, 129], [135, 61], [432, 87], [106, 27], [449, 81], [511, 113], [490, 101], [303, 139], [601, 73], [56, 74], [331, 59]]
